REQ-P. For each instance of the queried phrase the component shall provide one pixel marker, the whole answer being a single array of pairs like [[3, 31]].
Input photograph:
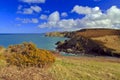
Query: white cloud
[[94, 18], [64, 14], [85, 10], [33, 1], [68, 24], [30, 10], [35, 20], [54, 17], [52, 20], [27, 11], [36, 8], [43, 17], [114, 15], [27, 20]]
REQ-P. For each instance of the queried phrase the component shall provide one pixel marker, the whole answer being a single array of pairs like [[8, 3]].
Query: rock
[[69, 50], [80, 45], [59, 43]]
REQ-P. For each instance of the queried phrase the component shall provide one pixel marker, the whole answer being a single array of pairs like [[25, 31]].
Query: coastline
[[83, 42]]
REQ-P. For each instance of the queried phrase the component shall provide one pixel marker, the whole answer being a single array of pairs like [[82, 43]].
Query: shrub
[[27, 54]]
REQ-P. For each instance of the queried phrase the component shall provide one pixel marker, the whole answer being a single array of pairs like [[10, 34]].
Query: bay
[[39, 39]]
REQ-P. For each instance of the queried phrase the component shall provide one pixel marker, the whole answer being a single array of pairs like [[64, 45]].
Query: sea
[[40, 40]]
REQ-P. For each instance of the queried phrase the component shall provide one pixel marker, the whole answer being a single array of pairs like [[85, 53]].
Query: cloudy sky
[[39, 16]]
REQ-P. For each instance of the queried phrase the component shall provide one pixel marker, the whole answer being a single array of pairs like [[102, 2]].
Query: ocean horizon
[[41, 41]]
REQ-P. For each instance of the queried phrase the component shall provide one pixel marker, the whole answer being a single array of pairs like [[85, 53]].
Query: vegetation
[[59, 34], [2, 58], [2, 61], [68, 68], [35, 62], [100, 42], [27, 54], [55, 34], [112, 42], [86, 68], [29, 73], [96, 32], [89, 33]]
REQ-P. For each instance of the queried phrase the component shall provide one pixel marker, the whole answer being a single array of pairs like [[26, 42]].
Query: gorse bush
[[27, 54]]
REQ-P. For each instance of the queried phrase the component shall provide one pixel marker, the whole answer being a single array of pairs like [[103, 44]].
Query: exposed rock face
[[82, 42], [79, 45], [82, 45]]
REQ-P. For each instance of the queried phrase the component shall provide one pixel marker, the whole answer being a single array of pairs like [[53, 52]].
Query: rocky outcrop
[[83, 46], [81, 41]]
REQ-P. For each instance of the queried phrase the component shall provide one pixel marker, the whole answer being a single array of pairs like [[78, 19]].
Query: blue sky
[[39, 16]]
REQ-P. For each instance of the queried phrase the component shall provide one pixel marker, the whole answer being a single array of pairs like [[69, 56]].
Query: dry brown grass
[[67, 68], [112, 42], [30, 73], [86, 68], [97, 32]]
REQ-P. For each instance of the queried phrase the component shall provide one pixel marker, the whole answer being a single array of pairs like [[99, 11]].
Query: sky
[[40, 16]]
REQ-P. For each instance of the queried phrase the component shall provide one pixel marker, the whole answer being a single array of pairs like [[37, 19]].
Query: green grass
[[83, 69]]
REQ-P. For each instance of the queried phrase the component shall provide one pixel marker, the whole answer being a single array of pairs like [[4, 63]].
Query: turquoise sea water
[[39, 39]]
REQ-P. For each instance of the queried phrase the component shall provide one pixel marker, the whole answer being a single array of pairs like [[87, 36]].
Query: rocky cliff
[[90, 41], [85, 46]]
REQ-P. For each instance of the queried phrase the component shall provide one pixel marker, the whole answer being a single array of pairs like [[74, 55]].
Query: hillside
[[94, 32], [93, 41], [112, 42], [26, 57], [97, 32], [67, 68]]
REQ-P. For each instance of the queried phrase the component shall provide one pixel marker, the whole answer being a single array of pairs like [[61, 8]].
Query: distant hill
[[94, 32], [97, 32]]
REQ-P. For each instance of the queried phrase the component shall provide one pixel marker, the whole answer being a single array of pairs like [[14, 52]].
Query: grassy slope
[[112, 42], [2, 62], [68, 68], [97, 32], [83, 68], [30, 73], [109, 38]]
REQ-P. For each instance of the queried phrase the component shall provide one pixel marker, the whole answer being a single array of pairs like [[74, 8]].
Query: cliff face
[[92, 41], [82, 45]]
